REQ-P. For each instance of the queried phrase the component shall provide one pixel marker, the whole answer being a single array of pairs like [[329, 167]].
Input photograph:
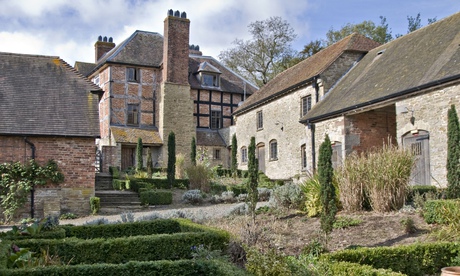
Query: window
[[96, 80], [133, 114], [210, 80], [273, 150], [132, 74], [306, 105], [244, 155], [303, 154], [260, 120], [216, 119], [217, 154]]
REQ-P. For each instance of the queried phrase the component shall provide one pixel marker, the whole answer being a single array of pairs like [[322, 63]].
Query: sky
[[69, 28]]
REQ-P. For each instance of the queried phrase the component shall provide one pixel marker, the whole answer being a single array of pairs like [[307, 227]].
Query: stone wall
[[430, 113], [75, 157]]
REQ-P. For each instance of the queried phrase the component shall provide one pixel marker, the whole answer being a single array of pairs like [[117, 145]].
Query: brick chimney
[[195, 50], [176, 48], [102, 46]]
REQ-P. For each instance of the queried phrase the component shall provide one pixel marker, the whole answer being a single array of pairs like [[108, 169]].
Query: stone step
[[118, 198], [103, 182]]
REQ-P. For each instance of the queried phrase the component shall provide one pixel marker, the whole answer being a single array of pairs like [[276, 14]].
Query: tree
[[234, 166], [253, 195], [149, 163], [260, 58], [193, 152], [413, 23], [312, 48], [453, 154], [380, 33], [325, 177], [139, 159], [171, 170]]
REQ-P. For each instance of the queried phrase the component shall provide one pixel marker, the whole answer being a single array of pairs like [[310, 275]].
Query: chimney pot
[[183, 15], [99, 38], [105, 39], [197, 47], [177, 14], [110, 39], [170, 12]]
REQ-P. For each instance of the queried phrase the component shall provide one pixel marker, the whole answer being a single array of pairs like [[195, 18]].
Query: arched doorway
[[419, 144], [261, 156]]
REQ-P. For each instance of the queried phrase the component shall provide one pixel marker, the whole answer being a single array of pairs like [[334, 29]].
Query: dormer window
[[209, 80]]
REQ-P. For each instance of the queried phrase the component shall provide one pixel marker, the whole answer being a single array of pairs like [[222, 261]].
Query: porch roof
[[126, 135]]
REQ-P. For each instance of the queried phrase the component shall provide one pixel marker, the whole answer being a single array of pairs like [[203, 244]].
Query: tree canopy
[[266, 54]]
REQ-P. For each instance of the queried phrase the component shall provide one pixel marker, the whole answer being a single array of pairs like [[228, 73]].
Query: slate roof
[[43, 95], [84, 67], [141, 49], [229, 80], [304, 71], [416, 61], [209, 137], [130, 135]]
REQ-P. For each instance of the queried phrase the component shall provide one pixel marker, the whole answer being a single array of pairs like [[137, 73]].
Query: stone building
[[272, 114], [50, 111], [400, 93], [156, 84]]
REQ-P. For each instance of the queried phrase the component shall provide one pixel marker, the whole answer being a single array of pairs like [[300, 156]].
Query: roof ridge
[[80, 75], [27, 55]]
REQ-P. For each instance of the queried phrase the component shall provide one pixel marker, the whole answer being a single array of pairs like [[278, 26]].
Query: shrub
[[149, 163], [287, 196], [127, 217], [180, 162], [118, 184], [268, 263], [139, 155], [345, 222], [453, 154], [239, 189], [420, 190], [156, 197], [312, 192], [253, 195], [193, 152], [436, 211], [217, 188], [199, 177], [408, 225], [264, 194], [325, 178], [68, 216], [114, 172], [171, 158], [193, 197], [95, 204]]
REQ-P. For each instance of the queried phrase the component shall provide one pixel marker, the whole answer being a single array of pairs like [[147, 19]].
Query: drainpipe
[[316, 86], [32, 191], [313, 152]]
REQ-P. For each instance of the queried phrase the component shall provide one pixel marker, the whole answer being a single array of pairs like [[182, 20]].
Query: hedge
[[120, 250], [413, 260], [155, 197], [420, 190], [435, 210], [238, 189], [114, 172], [151, 268], [156, 183], [56, 233], [118, 184], [142, 228], [4, 249]]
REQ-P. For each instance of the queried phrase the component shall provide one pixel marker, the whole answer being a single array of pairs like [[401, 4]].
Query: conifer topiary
[[171, 171], [328, 195], [453, 154], [139, 160], [234, 151], [193, 152], [253, 195]]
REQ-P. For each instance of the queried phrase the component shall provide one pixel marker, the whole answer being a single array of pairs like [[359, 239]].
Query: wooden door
[[261, 157], [127, 157], [419, 145]]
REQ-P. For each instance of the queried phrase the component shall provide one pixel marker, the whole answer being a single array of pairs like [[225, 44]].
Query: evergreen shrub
[[156, 197]]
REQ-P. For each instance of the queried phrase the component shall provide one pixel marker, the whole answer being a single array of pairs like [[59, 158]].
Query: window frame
[[133, 111], [132, 74], [217, 155], [244, 155], [303, 157], [259, 120], [273, 146], [215, 122], [215, 80], [305, 105]]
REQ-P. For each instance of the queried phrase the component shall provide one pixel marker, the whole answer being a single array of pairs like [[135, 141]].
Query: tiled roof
[[141, 48], [43, 95], [208, 137], [229, 80], [307, 69], [131, 135], [413, 62], [84, 67]]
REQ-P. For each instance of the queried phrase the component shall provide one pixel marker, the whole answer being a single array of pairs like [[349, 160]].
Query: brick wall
[[75, 157]]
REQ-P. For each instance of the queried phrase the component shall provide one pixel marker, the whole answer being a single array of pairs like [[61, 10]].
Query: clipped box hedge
[[156, 183], [435, 211], [155, 197], [153, 268], [420, 190], [119, 184], [413, 260], [56, 233], [142, 228], [120, 250], [346, 269]]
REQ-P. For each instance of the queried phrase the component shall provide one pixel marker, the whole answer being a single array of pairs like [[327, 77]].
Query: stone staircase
[[113, 201]]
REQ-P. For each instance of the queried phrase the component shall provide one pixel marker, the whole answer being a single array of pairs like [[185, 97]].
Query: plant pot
[[450, 271]]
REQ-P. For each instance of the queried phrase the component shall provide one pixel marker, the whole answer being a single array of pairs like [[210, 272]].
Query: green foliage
[[17, 180], [345, 222], [114, 172], [436, 211], [68, 216], [139, 157], [314, 248], [269, 263], [156, 183], [325, 178], [193, 152], [380, 33], [408, 225], [171, 174], [239, 189], [118, 184], [156, 197], [200, 177], [261, 58], [253, 195], [288, 196], [311, 189], [345, 269], [180, 163], [453, 154], [149, 163], [234, 165], [412, 260], [95, 203], [420, 190], [193, 197], [217, 188]]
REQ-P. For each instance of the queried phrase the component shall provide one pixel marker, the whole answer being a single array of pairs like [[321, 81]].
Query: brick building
[[402, 90], [155, 84], [50, 111], [272, 114]]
